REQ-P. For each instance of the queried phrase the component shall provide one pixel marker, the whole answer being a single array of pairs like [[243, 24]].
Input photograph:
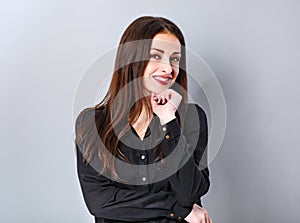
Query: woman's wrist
[[165, 120]]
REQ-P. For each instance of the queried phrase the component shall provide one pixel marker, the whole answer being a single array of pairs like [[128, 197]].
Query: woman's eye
[[175, 59], [155, 56]]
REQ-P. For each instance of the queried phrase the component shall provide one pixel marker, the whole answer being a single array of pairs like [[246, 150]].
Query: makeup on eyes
[[157, 54]]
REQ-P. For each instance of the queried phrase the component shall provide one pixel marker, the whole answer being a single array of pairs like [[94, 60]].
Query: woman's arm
[[191, 181], [105, 200]]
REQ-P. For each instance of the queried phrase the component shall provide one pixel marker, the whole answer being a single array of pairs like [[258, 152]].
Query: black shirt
[[154, 189]]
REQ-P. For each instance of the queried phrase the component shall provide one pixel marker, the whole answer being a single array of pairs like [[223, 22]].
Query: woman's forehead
[[166, 41]]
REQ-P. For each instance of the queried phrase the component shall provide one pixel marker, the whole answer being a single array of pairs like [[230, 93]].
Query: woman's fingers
[[207, 218], [163, 99], [169, 95], [200, 215]]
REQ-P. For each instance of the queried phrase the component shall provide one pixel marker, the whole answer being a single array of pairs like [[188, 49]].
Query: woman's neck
[[142, 123]]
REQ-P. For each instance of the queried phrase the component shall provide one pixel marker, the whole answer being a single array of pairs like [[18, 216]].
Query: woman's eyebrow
[[159, 50]]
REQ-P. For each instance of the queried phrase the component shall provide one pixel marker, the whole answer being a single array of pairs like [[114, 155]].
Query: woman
[[141, 152]]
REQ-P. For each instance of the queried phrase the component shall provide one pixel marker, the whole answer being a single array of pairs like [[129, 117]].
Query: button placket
[[143, 167]]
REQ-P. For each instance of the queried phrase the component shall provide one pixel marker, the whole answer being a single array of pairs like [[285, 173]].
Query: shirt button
[[172, 214], [167, 136], [143, 157], [144, 179], [179, 218], [164, 129]]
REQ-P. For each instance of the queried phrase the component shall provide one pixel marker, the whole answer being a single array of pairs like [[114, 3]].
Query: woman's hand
[[165, 104], [198, 215]]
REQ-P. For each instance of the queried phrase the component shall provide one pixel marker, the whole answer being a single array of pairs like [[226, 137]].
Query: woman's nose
[[165, 67]]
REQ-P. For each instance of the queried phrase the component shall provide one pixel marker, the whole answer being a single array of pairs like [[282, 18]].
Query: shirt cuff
[[171, 132], [171, 129], [179, 212]]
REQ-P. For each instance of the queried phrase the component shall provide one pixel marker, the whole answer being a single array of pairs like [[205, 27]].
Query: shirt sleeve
[[105, 200], [191, 181]]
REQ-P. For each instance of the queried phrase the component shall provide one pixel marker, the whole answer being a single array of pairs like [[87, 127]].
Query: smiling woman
[[141, 152]]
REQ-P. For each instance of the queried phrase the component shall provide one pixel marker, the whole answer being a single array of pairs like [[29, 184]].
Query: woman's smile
[[163, 79]]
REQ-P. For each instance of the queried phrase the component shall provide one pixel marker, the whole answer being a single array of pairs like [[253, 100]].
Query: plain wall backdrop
[[252, 47]]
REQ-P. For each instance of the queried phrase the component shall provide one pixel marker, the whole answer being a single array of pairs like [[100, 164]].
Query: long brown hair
[[131, 61]]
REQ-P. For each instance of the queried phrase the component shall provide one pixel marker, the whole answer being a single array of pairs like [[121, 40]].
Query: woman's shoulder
[[195, 109], [83, 116], [195, 117], [87, 116]]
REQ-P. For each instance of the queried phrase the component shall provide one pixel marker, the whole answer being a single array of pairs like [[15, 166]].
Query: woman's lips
[[162, 79]]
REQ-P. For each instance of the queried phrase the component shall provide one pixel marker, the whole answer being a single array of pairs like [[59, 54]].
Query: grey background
[[252, 47]]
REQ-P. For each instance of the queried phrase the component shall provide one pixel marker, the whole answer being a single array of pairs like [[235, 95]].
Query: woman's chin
[[156, 89]]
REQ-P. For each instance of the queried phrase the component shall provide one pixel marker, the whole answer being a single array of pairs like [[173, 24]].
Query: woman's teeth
[[161, 78]]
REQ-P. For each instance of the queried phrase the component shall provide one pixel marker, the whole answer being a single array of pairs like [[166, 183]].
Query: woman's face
[[163, 66]]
